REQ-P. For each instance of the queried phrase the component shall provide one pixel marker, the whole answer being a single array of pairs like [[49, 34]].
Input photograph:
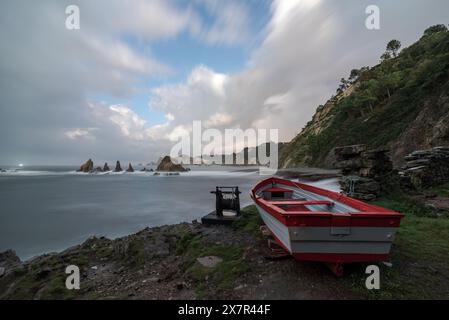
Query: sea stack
[[106, 167], [88, 166], [118, 168], [167, 165], [130, 168]]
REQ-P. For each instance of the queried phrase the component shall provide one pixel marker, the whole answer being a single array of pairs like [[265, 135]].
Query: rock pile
[[106, 167], [130, 168], [426, 168], [364, 170]]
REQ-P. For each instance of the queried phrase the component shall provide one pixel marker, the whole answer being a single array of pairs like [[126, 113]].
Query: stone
[[106, 167], [130, 168], [167, 165], [88, 166], [9, 259], [209, 261], [349, 151], [118, 167], [426, 168]]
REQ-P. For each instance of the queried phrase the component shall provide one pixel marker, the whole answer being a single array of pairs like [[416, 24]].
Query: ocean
[[48, 209]]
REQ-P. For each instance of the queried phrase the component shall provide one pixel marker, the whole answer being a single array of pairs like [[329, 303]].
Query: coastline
[[168, 263]]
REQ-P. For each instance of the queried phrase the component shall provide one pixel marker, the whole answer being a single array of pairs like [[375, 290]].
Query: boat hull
[[317, 243], [335, 238]]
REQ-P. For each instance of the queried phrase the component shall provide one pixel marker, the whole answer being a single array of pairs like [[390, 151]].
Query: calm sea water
[[49, 209]]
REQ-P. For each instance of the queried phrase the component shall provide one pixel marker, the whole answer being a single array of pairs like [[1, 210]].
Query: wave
[[199, 173]]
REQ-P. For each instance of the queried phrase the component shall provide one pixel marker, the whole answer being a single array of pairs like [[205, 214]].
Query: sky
[[135, 76]]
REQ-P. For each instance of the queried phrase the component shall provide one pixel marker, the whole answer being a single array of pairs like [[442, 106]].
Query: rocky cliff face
[[401, 104]]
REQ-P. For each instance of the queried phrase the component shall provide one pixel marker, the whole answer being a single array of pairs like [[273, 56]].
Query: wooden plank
[[300, 203]]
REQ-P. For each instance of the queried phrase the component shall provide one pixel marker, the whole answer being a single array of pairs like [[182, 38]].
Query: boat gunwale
[[363, 209]]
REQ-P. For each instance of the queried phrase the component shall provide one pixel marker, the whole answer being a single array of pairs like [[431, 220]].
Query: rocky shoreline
[[193, 261], [184, 261]]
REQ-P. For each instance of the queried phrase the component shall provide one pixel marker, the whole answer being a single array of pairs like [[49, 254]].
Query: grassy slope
[[389, 97]]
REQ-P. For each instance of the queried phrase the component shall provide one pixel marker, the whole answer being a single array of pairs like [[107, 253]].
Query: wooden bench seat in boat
[[300, 203]]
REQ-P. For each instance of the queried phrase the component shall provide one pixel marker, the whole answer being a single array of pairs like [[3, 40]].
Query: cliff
[[401, 104]]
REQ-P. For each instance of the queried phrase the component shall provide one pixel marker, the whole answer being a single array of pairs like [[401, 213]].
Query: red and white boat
[[313, 224]]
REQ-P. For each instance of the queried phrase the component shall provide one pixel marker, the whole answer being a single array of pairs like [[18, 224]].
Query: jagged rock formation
[[106, 167], [401, 104], [364, 170], [167, 165], [426, 168], [88, 166], [118, 167], [130, 168], [98, 169]]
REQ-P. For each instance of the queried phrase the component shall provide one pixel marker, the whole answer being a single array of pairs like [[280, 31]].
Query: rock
[[106, 167], [88, 166], [180, 286], [210, 261], [42, 274], [118, 167], [160, 247], [130, 168], [349, 151], [168, 166], [364, 170], [9, 259], [426, 168], [98, 169], [144, 170]]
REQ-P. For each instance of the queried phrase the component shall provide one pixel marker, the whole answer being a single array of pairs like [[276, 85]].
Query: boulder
[[106, 167], [9, 260], [167, 165], [118, 167], [88, 166], [130, 168], [98, 169]]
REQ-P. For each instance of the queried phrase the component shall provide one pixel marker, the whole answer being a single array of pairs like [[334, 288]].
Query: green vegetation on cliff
[[402, 103]]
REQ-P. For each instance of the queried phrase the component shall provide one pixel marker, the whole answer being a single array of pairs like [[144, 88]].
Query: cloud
[[81, 133], [230, 24], [308, 46], [49, 76]]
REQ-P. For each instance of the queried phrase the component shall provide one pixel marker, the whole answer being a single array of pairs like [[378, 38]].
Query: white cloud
[[80, 133]]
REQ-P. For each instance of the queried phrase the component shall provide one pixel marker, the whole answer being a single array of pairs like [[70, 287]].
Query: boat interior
[[297, 200]]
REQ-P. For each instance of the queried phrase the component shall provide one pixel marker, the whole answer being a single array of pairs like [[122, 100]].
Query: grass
[[441, 191], [420, 256], [223, 275], [250, 221]]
